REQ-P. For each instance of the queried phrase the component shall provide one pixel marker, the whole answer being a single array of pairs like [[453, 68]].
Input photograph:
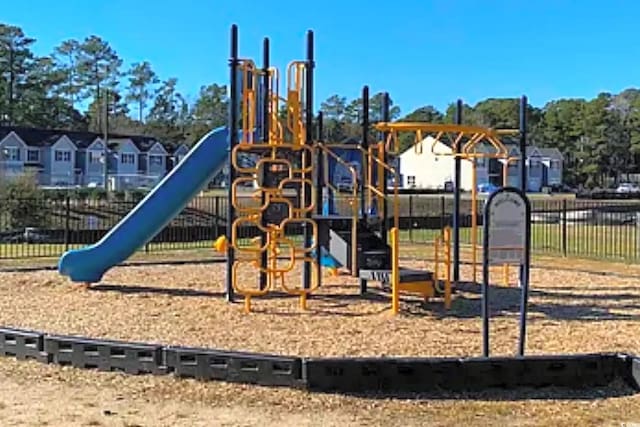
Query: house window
[[555, 164], [534, 163], [62, 156], [481, 162], [411, 181], [155, 160], [95, 157], [11, 154], [128, 159], [33, 156]]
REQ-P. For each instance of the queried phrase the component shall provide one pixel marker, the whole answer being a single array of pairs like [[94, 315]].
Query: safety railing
[[327, 153], [296, 93]]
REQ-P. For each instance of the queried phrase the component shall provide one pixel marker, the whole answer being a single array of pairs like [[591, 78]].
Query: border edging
[[338, 375]]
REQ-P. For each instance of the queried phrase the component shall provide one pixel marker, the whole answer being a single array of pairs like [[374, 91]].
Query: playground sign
[[507, 226], [506, 240]]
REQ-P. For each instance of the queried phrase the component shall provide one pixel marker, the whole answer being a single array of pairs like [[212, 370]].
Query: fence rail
[[46, 228]]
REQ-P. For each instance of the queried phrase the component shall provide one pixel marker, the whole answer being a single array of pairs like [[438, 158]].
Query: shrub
[[23, 203]]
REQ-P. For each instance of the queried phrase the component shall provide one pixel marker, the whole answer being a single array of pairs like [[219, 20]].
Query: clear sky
[[421, 51]]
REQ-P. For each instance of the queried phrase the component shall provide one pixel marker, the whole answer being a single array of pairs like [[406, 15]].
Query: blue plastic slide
[[153, 213]]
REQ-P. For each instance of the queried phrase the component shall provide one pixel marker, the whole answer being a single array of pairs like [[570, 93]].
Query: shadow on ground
[[616, 389]]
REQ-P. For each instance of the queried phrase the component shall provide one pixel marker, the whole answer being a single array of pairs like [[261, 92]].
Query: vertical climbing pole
[[266, 100], [306, 274], [233, 141], [456, 201], [364, 167], [386, 118]]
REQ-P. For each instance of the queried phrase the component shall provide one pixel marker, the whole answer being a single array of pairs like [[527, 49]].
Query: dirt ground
[[32, 394], [569, 312]]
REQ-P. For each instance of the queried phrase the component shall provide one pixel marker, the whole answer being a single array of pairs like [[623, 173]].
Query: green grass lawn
[[582, 240], [606, 242]]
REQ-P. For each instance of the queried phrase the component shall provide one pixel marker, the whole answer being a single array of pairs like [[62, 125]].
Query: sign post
[[506, 240]]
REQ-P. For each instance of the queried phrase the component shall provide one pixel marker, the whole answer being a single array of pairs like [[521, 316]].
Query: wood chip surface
[[184, 305], [569, 312]]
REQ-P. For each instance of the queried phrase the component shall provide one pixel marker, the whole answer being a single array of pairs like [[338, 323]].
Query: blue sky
[[421, 51]]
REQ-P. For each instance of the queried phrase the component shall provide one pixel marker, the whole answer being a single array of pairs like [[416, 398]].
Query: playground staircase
[[373, 260]]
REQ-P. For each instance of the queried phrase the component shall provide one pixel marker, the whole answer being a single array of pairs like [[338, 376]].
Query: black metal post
[[67, 222], [364, 167], [365, 146], [306, 279], [386, 117], [457, 177], [265, 139], [485, 283], [524, 278], [524, 269], [523, 143], [233, 141]]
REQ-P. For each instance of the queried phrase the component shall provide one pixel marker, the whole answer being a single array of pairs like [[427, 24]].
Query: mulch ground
[[569, 312], [184, 305]]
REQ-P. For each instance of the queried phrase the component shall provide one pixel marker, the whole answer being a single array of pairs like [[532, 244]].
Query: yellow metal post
[[395, 277], [447, 277]]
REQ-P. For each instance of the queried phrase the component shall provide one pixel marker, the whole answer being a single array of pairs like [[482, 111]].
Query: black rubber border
[[337, 375]]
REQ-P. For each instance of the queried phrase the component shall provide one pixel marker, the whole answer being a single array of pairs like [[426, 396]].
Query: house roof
[[46, 137], [552, 153]]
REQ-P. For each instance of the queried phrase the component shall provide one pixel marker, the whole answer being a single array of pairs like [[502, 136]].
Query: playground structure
[[294, 189], [291, 206]]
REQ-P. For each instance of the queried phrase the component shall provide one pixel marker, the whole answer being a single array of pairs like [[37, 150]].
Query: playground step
[[374, 259], [407, 275]]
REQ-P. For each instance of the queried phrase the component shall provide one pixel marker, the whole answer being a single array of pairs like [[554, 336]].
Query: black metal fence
[[46, 228]]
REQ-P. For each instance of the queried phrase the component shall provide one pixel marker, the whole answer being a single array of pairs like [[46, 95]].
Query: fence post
[[411, 218], [564, 227], [216, 217], [67, 222]]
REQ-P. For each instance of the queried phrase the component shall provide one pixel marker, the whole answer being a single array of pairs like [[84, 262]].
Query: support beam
[[386, 117], [364, 167], [306, 274], [265, 139], [233, 141]]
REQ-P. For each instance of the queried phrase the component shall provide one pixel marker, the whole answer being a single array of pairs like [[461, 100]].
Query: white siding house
[[421, 168]]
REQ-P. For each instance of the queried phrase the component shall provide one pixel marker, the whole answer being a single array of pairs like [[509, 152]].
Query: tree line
[[83, 85]]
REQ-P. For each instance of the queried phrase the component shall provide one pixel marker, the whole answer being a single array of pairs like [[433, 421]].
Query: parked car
[[487, 188], [628, 187], [29, 235]]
